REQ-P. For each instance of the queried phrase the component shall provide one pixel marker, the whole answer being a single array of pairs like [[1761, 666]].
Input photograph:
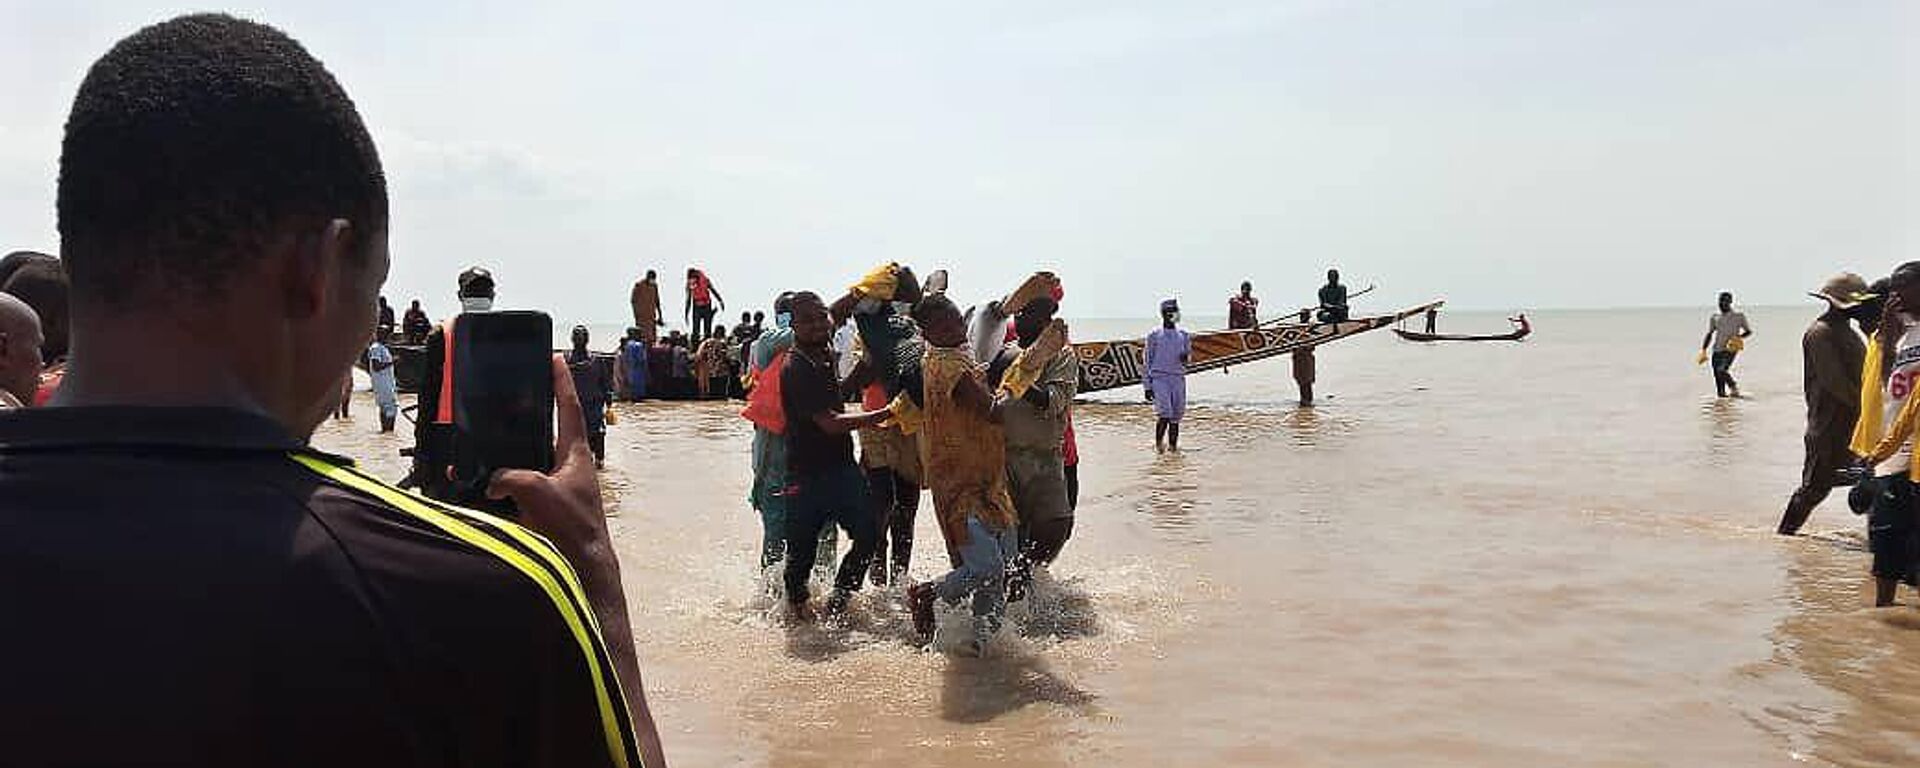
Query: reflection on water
[[1722, 416]]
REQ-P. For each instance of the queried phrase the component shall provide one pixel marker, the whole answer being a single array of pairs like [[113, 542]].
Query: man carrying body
[[646, 308], [824, 484], [1727, 333], [386, 389], [1333, 299], [1165, 361], [1832, 354], [966, 469], [20, 361], [1040, 376], [767, 359], [1243, 310], [223, 217]]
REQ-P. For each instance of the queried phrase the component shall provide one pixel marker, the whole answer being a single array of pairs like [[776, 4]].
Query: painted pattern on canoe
[[1114, 364]]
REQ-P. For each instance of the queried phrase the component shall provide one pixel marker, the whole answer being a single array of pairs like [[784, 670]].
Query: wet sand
[[1552, 553]]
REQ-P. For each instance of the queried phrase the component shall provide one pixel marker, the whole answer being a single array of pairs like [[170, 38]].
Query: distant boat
[[1114, 364], [1520, 331]]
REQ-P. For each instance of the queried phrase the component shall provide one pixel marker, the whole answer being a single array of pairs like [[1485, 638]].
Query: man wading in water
[[1167, 351], [967, 472], [1040, 376], [1727, 333], [1833, 354], [188, 581], [825, 485], [1884, 436]]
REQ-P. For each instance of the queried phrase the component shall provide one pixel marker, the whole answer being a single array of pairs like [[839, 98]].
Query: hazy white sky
[[1500, 154]]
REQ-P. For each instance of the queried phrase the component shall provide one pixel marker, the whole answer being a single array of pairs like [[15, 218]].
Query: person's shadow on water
[[977, 690]]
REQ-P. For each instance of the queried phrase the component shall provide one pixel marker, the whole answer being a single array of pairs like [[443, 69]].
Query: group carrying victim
[[973, 406]]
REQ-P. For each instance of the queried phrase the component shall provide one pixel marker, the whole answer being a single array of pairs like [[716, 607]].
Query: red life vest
[[701, 287], [763, 403]]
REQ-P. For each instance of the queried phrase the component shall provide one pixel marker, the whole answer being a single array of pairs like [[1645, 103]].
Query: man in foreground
[[231, 597], [1832, 355]]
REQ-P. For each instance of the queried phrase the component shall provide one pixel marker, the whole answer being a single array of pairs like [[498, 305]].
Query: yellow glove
[[1702, 359], [1736, 344], [906, 415], [1026, 368], [613, 416]]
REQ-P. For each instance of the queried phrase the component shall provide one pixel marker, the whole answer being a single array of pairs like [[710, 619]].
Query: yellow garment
[[1032, 362], [1736, 344], [965, 451], [1868, 428], [878, 283]]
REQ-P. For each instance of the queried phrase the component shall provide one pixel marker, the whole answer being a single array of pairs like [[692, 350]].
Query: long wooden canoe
[[1114, 364]]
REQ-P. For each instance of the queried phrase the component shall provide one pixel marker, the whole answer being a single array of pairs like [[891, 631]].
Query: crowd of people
[[983, 429]]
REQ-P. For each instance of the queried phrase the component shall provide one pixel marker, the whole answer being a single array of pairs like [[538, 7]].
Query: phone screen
[[503, 396]]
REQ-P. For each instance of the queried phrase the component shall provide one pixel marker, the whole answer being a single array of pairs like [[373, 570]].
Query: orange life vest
[[444, 414]]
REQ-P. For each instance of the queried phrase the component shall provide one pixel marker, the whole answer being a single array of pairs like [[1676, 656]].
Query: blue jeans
[[983, 573]]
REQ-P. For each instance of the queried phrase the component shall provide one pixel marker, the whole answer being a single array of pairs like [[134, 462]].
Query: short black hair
[[191, 142]]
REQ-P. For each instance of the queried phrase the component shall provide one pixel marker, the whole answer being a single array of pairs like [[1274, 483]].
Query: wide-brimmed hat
[[1844, 291]]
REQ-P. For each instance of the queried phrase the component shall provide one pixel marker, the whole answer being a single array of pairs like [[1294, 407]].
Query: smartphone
[[503, 400]]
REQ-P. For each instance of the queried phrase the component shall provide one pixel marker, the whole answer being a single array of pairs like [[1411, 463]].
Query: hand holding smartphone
[[503, 406]]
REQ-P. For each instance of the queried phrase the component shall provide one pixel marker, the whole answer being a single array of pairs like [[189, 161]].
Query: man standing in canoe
[[1165, 363], [1727, 333], [1243, 310], [646, 308], [1833, 356]]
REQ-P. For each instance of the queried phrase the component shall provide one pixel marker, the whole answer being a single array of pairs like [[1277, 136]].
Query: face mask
[[476, 304], [783, 320]]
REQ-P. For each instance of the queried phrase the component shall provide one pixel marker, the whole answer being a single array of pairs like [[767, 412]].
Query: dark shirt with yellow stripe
[[193, 586]]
